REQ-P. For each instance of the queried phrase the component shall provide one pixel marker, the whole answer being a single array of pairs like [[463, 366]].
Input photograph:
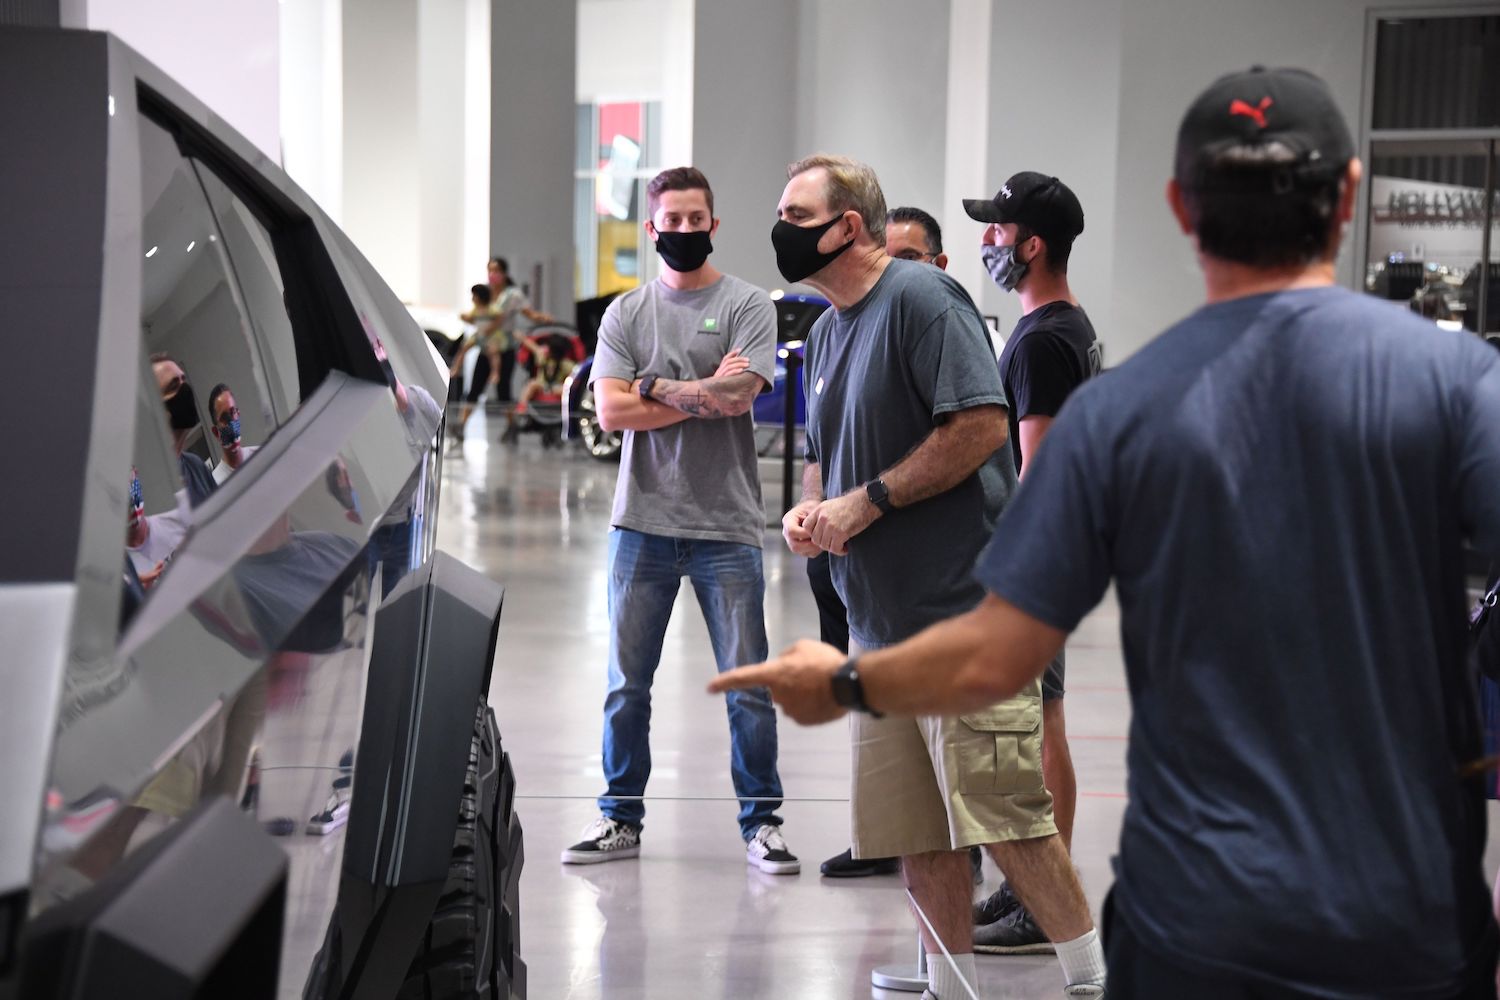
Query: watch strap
[[879, 495], [849, 689]]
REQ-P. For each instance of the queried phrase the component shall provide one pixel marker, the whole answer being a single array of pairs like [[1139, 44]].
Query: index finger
[[759, 675]]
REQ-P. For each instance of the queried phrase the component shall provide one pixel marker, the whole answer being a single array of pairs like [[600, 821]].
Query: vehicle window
[[253, 260], [200, 365]]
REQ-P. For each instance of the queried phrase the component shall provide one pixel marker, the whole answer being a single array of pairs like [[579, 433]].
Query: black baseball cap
[[1261, 106], [1041, 203]]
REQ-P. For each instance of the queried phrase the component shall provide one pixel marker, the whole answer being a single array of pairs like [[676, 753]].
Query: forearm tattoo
[[727, 396]]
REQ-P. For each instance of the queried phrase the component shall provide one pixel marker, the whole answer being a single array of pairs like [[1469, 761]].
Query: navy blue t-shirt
[[1280, 487]]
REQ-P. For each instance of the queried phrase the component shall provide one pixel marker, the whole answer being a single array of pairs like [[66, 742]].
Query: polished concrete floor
[[690, 919]]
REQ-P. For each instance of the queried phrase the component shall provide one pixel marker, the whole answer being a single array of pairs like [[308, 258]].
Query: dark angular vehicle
[[245, 742]]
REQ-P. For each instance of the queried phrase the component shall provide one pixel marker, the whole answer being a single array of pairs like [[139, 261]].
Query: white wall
[[1054, 73], [890, 112], [224, 51], [1156, 279]]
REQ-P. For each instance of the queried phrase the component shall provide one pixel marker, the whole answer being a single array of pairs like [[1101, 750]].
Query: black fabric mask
[[684, 251], [797, 255], [182, 409]]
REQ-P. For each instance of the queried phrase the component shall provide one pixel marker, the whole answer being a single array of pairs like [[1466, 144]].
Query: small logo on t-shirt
[[709, 325]]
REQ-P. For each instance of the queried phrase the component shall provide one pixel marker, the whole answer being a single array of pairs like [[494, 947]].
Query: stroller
[[547, 354]]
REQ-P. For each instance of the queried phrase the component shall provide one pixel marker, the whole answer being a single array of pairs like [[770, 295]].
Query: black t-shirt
[[1280, 487], [1052, 351]]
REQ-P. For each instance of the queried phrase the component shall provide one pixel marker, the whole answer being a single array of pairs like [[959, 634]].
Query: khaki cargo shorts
[[939, 784]]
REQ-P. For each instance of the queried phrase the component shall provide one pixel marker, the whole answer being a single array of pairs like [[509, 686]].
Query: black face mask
[[684, 251], [797, 255], [182, 409]]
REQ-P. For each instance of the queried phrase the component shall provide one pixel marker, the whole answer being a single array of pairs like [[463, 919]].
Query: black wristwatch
[[879, 495], [849, 691], [647, 383]]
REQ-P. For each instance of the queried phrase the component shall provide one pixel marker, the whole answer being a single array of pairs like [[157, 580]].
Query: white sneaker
[[1088, 990], [767, 851], [604, 840]]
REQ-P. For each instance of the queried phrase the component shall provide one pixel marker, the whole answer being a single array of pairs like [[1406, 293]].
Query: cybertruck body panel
[[224, 432]]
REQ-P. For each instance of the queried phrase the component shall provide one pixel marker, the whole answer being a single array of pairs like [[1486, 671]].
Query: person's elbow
[[994, 432], [987, 678], [739, 404], [1008, 651], [742, 399], [607, 407]]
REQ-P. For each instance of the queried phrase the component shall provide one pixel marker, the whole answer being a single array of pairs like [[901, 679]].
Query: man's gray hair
[[850, 185]]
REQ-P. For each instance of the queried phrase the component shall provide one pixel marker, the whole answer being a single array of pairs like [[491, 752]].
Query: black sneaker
[[844, 866], [997, 907], [605, 840], [767, 851], [1014, 934]]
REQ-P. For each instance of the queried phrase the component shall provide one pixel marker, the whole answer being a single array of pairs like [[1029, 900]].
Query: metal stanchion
[[793, 363], [901, 977]]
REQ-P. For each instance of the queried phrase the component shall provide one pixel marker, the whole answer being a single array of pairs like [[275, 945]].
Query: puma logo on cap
[[1258, 113]]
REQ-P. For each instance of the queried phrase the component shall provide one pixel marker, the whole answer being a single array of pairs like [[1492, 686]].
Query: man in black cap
[[1280, 487], [1030, 226]]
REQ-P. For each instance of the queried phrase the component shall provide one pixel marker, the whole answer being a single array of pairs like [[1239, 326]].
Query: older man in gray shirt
[[678, 364], [906, 478]]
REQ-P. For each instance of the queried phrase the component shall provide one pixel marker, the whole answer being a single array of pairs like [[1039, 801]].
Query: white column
[[441, 113], [312, 105], [533, 62], [744, 123], [476, 139], [966, 149], [382, 159]]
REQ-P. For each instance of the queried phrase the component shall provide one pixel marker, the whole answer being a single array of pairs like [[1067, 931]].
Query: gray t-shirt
[[880, 376], [699, 478]]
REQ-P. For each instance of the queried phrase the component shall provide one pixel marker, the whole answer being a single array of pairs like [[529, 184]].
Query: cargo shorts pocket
[[999, 750]]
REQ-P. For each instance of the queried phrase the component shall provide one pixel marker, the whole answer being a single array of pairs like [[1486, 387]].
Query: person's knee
[[934, 865], [1029, 852]]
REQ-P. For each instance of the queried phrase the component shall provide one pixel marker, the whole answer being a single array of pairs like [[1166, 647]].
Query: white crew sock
[[1082, 960], [944, 982]]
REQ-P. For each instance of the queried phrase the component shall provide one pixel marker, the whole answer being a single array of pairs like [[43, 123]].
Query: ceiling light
[[152, 251], [111, 105], [190, 246]]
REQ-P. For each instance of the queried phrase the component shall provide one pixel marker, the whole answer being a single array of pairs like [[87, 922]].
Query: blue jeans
[[645, 572]]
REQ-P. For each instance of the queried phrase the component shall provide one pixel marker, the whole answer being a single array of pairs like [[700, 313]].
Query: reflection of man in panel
[[181, 404], [150, 539], [225, 412]]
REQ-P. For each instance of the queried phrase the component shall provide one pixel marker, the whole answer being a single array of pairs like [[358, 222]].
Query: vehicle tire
[[472, 945], [598, 442]]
